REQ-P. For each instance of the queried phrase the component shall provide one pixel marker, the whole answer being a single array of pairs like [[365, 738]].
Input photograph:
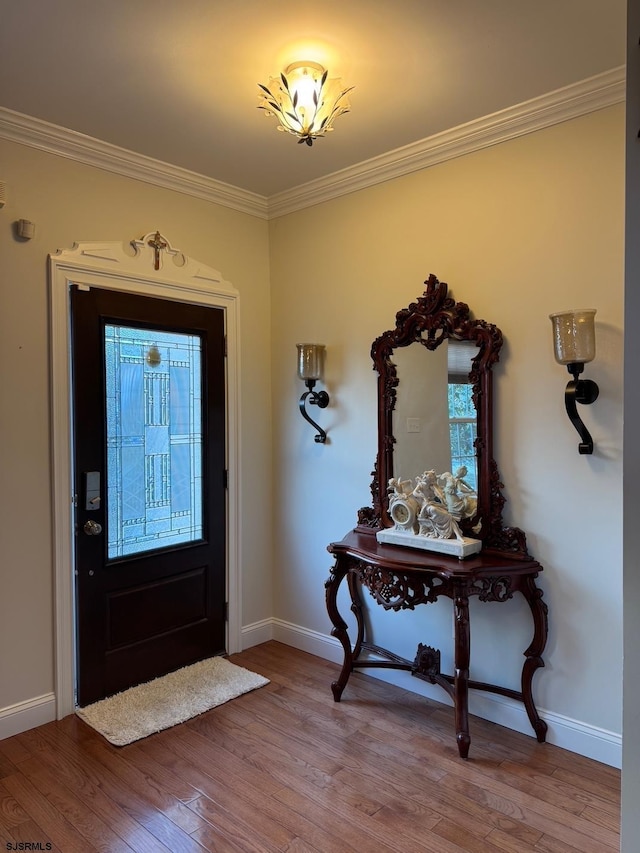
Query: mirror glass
[[435, 422]]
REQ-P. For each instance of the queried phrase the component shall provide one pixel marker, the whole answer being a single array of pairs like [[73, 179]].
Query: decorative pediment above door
[[152, 256]]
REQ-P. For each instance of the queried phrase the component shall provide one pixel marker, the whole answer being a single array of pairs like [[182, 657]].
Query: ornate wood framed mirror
[[438, 354]]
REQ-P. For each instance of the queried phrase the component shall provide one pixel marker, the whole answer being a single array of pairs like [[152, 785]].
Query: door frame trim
[[116, 266]]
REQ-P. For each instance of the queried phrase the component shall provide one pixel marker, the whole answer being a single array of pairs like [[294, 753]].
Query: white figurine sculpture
[[426, 513], [461, 505]]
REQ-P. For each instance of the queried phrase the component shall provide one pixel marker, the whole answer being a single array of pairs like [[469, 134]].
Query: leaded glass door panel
[[149, 425], [154, 439]]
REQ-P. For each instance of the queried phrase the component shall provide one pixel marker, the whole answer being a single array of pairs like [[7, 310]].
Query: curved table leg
[[339, 626], [533, 654], [356, 608], [461, 671]]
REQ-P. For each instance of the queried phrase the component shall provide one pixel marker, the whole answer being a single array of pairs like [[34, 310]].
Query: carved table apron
[[399, 579]]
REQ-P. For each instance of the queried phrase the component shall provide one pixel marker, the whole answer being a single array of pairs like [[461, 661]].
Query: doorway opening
[[155, 275]]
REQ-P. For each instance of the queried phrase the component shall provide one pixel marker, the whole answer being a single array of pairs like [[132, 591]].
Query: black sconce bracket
[[315, 398], [583, 391]]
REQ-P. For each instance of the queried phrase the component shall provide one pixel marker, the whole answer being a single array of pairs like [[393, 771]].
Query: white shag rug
[[164, 702]]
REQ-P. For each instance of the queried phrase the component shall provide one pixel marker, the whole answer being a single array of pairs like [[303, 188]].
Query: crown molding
[[27, 130], [578, 99]]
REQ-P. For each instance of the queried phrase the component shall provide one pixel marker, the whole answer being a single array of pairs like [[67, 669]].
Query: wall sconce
[[310, 364], [304, 100], [574, 342]]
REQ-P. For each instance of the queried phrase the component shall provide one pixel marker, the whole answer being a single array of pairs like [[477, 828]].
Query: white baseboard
[[259, 632], [27, 715], [574, 735]]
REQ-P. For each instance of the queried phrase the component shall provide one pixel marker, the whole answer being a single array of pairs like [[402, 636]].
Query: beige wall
[[69, 202], [519, 230]]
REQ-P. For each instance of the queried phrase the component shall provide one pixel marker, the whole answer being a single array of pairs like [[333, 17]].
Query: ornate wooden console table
[[400, 578]]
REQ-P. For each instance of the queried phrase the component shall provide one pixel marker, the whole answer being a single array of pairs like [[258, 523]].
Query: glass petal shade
[[305, 101]]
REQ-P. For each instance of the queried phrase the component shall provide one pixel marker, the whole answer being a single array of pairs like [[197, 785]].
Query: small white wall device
[[26, 229]]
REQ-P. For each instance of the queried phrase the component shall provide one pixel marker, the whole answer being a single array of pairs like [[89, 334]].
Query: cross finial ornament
[[152, 244], [157, 244]]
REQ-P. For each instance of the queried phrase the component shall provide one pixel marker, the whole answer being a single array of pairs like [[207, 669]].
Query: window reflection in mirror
[[463, 420], [434, 420]]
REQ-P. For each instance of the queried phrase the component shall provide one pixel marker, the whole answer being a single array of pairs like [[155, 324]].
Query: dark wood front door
[[149, 458]]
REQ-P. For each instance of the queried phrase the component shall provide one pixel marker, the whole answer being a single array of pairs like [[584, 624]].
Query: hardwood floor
[[284, 768]]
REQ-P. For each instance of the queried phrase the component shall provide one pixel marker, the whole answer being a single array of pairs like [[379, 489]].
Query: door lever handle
[[92, 528]]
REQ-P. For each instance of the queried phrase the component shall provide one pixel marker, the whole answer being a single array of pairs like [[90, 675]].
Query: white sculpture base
[[459, 548]]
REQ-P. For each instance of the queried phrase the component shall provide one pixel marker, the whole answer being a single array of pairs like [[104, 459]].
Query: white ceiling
[[176, 79]]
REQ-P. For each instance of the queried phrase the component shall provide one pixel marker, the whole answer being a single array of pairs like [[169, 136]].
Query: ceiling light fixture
[[304, 100]]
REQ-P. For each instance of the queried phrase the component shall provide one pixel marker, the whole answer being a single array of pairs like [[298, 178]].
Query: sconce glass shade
[[304, 100], [574, 336], [310, 361]]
